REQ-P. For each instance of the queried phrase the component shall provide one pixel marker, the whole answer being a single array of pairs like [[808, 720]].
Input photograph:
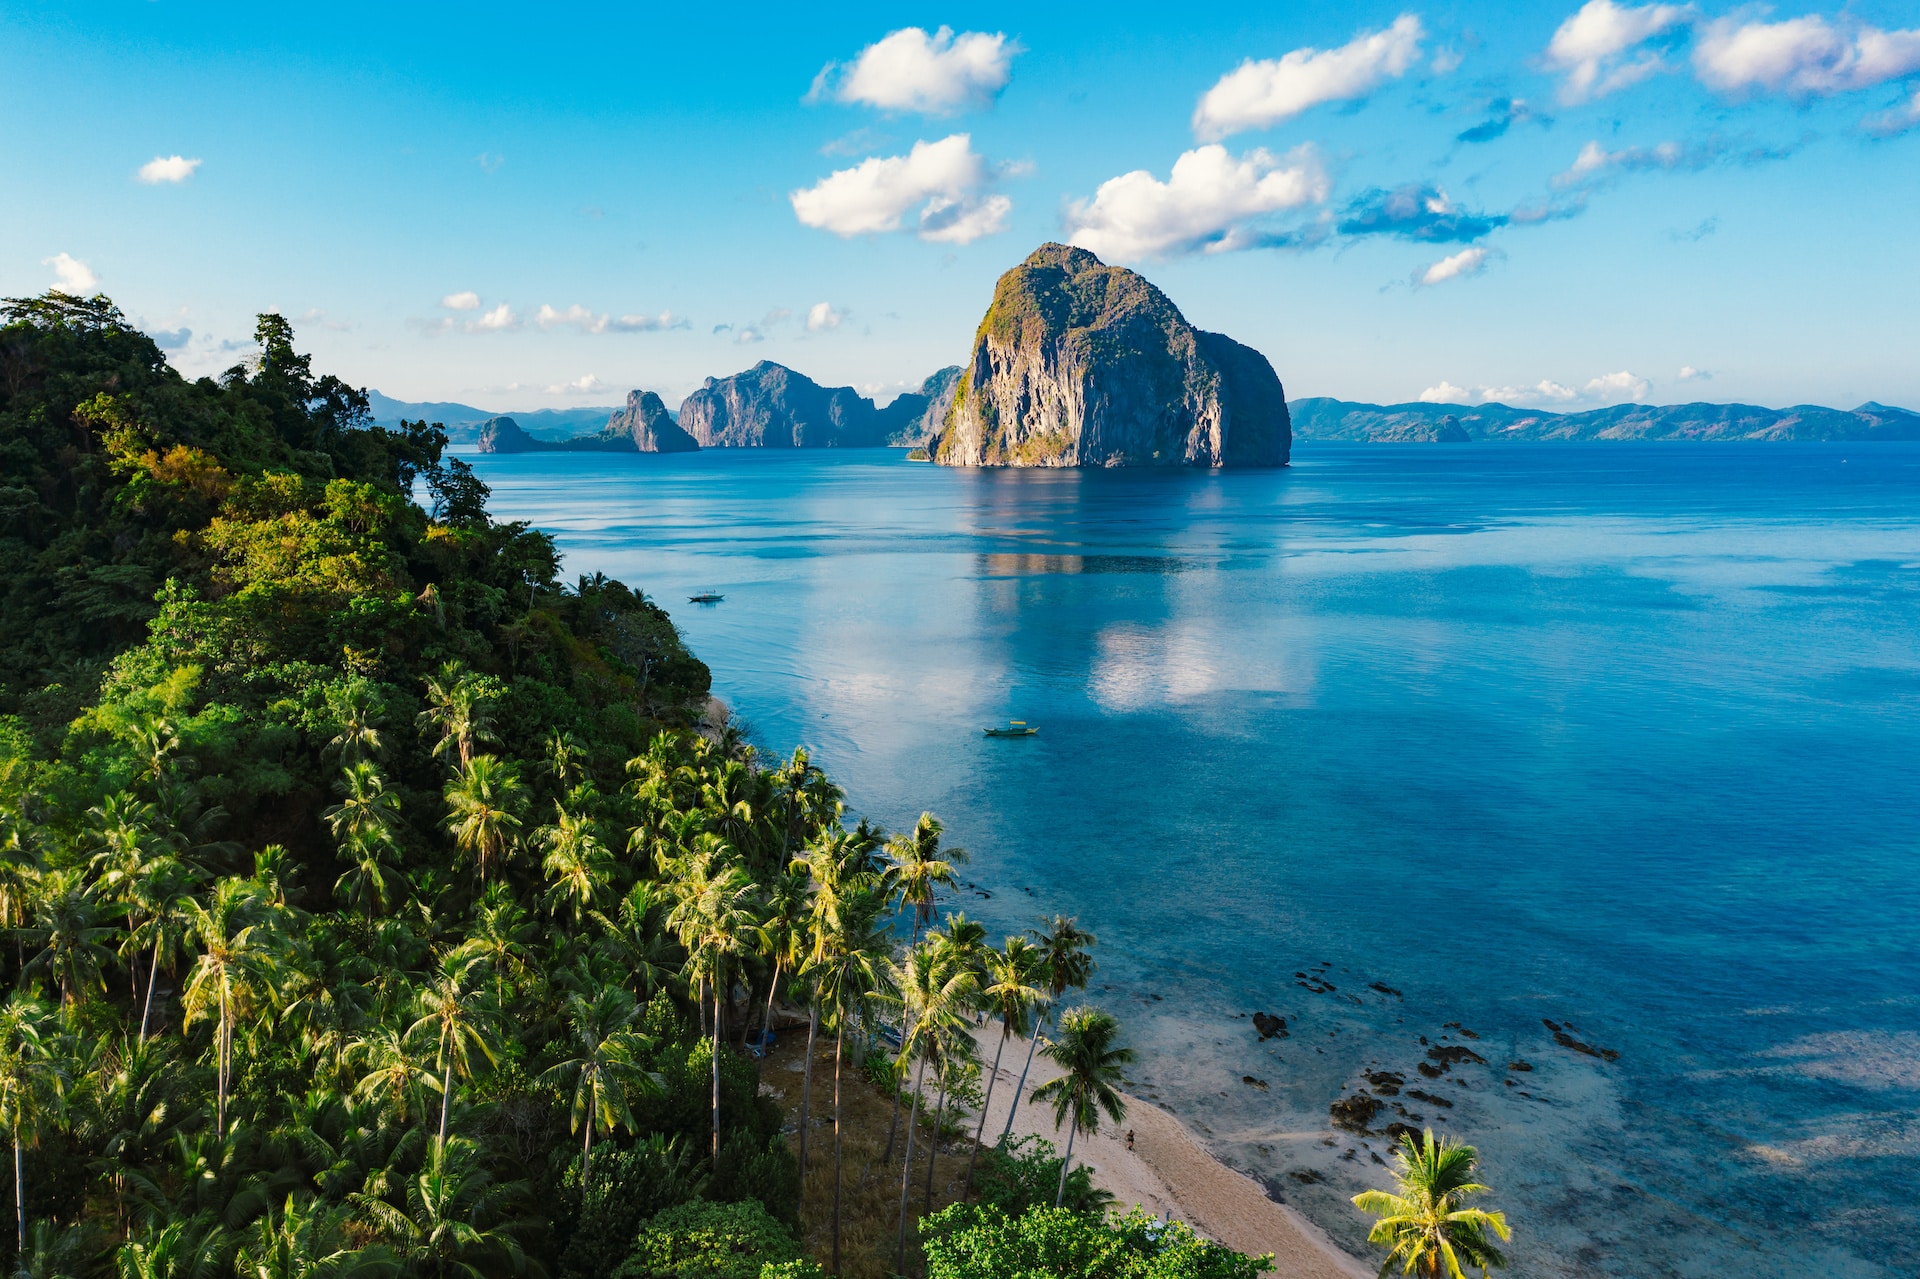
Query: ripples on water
[[1620, 737]]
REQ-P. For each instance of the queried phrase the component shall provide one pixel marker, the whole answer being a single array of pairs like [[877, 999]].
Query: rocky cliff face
[[771, 406], [503, 435], [914, 418], [1081, 364], [645, 427]]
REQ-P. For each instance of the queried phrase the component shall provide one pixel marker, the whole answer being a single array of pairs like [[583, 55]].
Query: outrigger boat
[[1015, 728], [706, 597]]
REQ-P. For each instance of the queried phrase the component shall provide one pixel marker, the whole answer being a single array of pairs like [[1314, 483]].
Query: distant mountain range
[[463, 421], [1341, 421]]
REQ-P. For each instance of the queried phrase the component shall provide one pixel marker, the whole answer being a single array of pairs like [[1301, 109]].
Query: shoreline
[[1169, 1171]]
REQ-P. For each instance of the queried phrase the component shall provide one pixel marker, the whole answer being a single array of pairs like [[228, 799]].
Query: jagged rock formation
[[771, 406], [915, 417], [1343, 421], [642, 427], [1077, 363]]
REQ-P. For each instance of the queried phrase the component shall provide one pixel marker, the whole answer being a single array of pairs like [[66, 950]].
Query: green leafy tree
[[450, 1013], [460, 711], [485, 803], [935, 995], [605, 1069], [66, 925], [1012, 992], [238, 959], [32, 1081], [1092, 1064], [713, 915], [577, 865], [964, 1242], [1425, 1222], [921, 866], [1065, 956], [452, 1217]]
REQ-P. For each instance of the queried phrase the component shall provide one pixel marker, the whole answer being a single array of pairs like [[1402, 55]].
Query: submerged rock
[[1270, 1026], [1077, 363], [1354, 1113]]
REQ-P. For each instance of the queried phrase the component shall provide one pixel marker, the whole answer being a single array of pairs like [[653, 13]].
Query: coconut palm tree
[[454, 1218], [962, 946], [1068, 964], [238, 948], [501, 937], [1012, 991], [714, 919], [606, 1066], [31, 1083], [182, 1248], [459, 709], [366, 808], [1424, 1220], [485, 801], [395, 1074], [156, 919], [66, 924], [306, 1241], [357, 711], [637, 945], [577, 862], [452, 1011], [935, 994], [1085, 1051], [920, 866]]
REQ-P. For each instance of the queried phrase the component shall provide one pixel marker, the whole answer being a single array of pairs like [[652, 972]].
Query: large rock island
[[1082, 364], [642, 427], [771, 406]]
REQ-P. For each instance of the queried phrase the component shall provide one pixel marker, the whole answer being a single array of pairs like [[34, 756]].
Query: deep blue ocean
[[1621, 737]]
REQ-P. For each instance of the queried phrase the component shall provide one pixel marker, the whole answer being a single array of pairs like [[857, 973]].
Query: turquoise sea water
[[1622, 737]]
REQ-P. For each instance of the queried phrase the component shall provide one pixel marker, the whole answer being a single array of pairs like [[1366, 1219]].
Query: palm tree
[[1423, 1220], [1085, 1050], [459, 709], [306, 1242], [1064, 948], [484, 803], [501, 937], [160, 899], [715, 922], [639, 948], [934, 995], [454, 1221], [366, 807], [184, 1248], [395, 1074], [31, 1082], [453, 1013], [962, 947], [577, 862], [236, 964], [606, 1067], [357, 710], [849, 968], [920, 867], [1013, 992], [66, 923]]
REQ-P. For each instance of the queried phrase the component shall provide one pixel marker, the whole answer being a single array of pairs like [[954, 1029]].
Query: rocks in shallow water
[[1450, 1055], [1395, 1131], [1384, 989], [1454, 1025], [1429, 1098], [1269, 1026], [1308, 1176], [1520, 1066], [1565, 1040], [1249, 1080], [1354, 1113], [1430, 1070], [1386, 1082]]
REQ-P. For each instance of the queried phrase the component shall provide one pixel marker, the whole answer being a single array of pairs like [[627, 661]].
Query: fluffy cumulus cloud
[[1416, 211], [588, 321], [822, 316], [1690, 374], [586, 384], [70, 274], [1457, 266], [1212, 201], [942, 183], [1260, 93], [167, 168], [497, 320], [467, 300], [1608, 388], [1803, 57], [1595, 161], [910, 70], [1601, 48]]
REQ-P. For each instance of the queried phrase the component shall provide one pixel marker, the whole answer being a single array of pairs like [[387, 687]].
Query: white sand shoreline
[[1169, 1172]]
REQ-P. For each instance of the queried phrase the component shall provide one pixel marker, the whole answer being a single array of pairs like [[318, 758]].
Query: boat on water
[[706, 597], [1014, 728]]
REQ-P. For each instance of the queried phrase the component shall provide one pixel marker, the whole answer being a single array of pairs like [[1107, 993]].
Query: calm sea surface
[[1625, 738]]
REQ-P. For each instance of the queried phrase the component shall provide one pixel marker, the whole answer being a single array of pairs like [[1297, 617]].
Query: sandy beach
[[1169, 1171]]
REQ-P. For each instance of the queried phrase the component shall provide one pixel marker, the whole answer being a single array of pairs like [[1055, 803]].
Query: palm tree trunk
[[766, 1022], [1065, 1164], [586, 1156], [839, 1035], [220, 1066], [933, 1141], [967, 1184], [446, 1100], [806, 1086], [1021, 1087], [906, 1166], [153, 975], [19, 1204], [716, 1076]]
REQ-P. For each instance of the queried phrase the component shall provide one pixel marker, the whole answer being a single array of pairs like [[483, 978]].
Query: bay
[[1619, 738]]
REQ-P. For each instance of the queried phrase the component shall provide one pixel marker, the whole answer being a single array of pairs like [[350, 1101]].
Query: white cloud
[[167, 168], [70, 274], [1690, 374], [1609, 388], [945, 180], [587, 384], [1207, 203], [821, 315], [465, 301], [1457, 267], [909, 70], [1588, 46], [499, 318], [1261, 93], [1595, 161], [747, 337], [1898, 120], [579, 317], [1801, 56], [489, 161]]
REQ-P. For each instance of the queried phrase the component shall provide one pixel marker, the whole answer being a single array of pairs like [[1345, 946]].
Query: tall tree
[[714, 919], [1013, 993], [1064, 950], [1086, 1052], [485, 801], [238, 948], [605, 1067], [451, 1012], [459, 710], [66, 925], [1424, 1220], [935, 994], [577, 864], [921, 866], [31, 1084]]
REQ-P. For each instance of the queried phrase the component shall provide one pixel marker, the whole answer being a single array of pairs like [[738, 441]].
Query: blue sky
[[1541, 203]]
